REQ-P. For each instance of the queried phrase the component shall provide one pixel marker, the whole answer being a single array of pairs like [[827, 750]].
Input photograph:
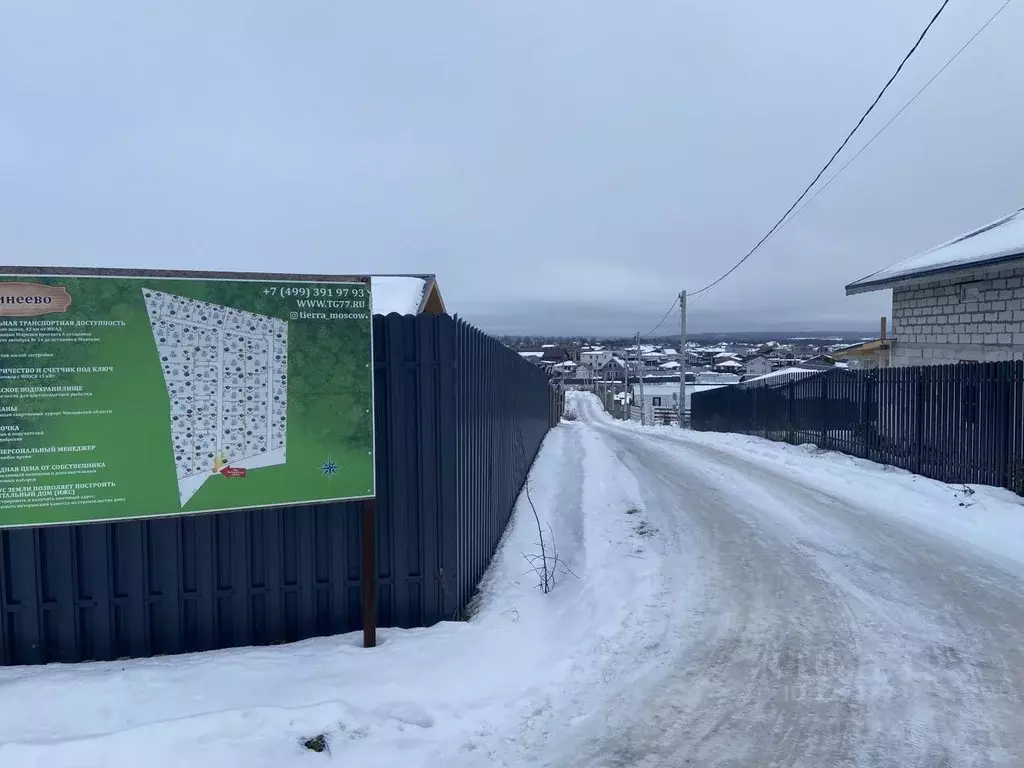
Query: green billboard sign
[[140, 394]]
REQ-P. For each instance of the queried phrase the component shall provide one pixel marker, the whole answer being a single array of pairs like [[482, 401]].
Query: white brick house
[[596, 358], [960, 301]]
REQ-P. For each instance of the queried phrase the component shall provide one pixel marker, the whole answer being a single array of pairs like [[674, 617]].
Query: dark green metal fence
[[956, 423], [452, 405]]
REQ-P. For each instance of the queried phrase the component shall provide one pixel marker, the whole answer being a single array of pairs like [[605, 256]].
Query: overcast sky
[[561, 166]]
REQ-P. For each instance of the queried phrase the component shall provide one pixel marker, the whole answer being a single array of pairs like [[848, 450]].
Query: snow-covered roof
[[714, 377], [669, 390], [643, 348], [657, 390], [396, 293], [999, 241], [782, 372], [669, 365], [532, 354], [729, 364]]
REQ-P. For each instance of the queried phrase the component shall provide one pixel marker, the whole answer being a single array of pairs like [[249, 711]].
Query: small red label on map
[[233, 471]]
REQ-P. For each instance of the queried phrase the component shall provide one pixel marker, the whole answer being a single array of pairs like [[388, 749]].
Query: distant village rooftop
[[996, 243]]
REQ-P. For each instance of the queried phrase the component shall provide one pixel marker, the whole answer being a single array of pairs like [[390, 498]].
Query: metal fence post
[[823, 412], [865, 405], [1002, 474], [918, 419], [791, 391]]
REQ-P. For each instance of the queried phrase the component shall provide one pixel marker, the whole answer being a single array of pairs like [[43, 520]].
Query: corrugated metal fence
[[956, 423], [450, 405]]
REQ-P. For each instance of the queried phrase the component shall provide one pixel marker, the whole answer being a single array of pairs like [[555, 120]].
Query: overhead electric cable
[[835, 154]]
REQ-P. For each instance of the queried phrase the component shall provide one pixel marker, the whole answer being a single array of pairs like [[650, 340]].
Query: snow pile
[[397, 293], [479, 692], [981, 515], [986, 517]]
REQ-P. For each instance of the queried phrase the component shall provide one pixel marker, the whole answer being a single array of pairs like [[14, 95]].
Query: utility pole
[[640, 368], [682, 358], [627, 415]]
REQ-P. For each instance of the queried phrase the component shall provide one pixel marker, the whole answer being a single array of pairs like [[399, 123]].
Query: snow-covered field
[[731, 602]]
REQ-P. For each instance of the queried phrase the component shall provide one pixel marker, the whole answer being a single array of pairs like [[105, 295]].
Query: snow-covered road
[[725, 601], [820, 630]]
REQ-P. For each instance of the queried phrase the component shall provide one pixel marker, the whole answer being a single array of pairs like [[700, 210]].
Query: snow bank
[[988, 518], [477, 692]]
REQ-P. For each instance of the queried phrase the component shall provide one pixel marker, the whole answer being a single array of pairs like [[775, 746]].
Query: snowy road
[[818, 631], [725, 601]]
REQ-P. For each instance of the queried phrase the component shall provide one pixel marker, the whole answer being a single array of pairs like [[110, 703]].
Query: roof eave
[[867, 286]]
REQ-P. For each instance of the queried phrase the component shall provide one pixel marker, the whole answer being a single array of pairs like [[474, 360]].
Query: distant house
[[533, 357], [872, 353], [566, 368], [818, 361], [661, 401], [711, 377], [552, 354], [596, 358], [961, 301], [729, 366], [758, 366], [406, 295]]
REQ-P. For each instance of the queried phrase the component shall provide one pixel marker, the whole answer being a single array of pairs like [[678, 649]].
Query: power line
[[893, 119], [902, 109], [663, 319], [835, 154]]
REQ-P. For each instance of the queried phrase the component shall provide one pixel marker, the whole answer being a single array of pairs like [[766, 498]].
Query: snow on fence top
[[393, 293], [781, 376], [998, 241]]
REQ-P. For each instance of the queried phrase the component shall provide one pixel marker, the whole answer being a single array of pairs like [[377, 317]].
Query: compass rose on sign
[[329, 469]]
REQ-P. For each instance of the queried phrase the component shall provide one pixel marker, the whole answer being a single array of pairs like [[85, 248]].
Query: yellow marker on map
[[219, 461]]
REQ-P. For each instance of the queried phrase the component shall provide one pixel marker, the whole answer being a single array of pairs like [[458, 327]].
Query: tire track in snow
[[948, 626], [745, 685], [826, 634]]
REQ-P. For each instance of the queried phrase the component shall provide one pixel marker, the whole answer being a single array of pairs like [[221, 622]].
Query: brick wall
[[978, 317]]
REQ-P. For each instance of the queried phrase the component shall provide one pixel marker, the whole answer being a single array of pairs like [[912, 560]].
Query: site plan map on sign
[[133, 394], [226, 373]]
